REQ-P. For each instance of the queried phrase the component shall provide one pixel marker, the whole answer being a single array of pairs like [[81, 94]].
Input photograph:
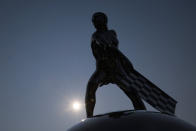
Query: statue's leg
[[92, 86], [125, 85]]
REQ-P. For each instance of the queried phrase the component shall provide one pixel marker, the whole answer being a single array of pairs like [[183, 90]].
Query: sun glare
[[76, 106]]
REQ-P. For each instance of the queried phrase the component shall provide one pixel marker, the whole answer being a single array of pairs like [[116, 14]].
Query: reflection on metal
[[139, 120]]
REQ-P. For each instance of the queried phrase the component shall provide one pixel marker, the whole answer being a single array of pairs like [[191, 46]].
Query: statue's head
[[100, 20]]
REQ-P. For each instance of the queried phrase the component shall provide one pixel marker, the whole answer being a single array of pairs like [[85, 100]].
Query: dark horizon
[[46, 59]]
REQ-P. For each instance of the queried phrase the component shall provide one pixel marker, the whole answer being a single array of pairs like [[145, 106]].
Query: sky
[[46, 59]]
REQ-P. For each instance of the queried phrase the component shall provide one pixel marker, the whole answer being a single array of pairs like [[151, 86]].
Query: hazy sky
[[46, 59]]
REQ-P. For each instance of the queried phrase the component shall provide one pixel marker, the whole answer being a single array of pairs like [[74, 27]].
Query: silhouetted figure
[[111, 65]]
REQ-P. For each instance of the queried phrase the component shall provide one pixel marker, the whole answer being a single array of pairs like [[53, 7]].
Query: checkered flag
[[152, 94]]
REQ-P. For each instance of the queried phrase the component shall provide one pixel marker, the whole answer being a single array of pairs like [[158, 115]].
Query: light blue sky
[[46, 59]]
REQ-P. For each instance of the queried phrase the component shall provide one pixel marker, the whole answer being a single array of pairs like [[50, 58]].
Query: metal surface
[[133, 121]]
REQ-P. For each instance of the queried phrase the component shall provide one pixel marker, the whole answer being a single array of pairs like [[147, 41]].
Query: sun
[[76, 105]]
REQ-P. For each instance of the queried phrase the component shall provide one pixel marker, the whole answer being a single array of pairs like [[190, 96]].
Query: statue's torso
[[101, 42]]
